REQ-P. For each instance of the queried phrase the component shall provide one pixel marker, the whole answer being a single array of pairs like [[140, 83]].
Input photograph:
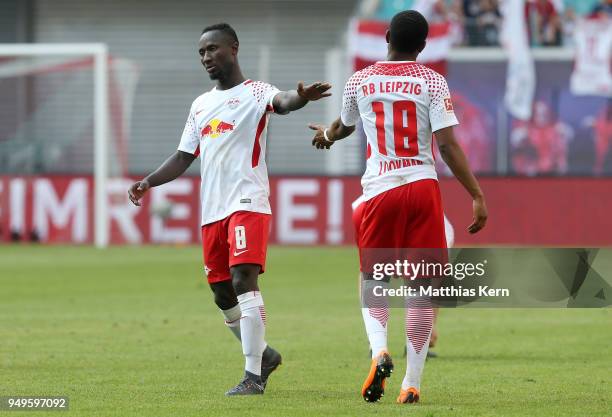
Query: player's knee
[[225, 301], [244, 277], [225, 297]]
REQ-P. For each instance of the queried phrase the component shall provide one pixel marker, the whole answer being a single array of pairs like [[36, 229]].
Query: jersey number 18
[[405, 139]]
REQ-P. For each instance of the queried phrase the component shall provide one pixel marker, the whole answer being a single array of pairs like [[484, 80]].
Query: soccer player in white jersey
[[226, 128], [401, 103]]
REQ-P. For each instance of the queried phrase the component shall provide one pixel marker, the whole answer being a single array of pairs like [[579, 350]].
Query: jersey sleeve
[[264, 94], [190, 139], [350, 111], [270, 93], [441, 112]]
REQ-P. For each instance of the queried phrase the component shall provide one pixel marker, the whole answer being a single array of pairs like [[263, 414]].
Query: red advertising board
[[307, 211]]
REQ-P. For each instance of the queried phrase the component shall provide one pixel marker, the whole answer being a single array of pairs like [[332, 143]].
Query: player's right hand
[[137, 191], [319, 140], [479, 208], [314, 91]]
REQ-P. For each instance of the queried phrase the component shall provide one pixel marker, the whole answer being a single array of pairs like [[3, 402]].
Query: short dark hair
[[222, 27], [408, 31]]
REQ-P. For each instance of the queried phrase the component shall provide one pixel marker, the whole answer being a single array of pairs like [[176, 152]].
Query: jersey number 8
[[240, 232]]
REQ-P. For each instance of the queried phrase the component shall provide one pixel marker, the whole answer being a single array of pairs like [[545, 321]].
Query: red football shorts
[[241, 238], [408, 216], [357, 219]]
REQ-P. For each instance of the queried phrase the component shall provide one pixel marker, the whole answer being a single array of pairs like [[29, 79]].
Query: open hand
[[314, 91], [319, 140]]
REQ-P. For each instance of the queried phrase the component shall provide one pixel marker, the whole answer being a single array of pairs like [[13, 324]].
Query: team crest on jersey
[[448, 103], [233, 102], [215, 128]]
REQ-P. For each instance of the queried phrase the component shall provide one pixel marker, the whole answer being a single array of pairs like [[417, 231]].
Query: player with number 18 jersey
[[401, 104]]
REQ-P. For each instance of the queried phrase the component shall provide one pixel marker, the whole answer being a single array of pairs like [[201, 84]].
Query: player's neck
[[232, 80], [399, 56]]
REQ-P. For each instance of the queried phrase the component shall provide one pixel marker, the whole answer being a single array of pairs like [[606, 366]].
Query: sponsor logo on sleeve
[[448, 104]]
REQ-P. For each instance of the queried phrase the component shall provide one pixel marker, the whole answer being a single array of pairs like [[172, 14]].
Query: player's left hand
[[319, 140], [137, 191], [313, 92], [479, 208]]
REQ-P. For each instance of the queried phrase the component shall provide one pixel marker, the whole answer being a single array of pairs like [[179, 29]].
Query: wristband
[[326, 137]]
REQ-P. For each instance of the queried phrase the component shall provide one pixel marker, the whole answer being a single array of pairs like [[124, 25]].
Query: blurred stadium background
[[545, 164], [132, 331]]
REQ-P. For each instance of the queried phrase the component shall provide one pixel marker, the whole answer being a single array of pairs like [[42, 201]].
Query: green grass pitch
[[133, 331]]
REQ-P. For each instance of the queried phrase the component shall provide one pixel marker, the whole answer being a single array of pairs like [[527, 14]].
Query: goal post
[[99, 53]]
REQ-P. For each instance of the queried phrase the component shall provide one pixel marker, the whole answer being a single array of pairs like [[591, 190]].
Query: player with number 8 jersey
[[226, 128], [401, 105]]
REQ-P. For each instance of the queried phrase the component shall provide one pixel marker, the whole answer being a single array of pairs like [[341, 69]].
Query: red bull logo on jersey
[[233, 102], [216, 128]]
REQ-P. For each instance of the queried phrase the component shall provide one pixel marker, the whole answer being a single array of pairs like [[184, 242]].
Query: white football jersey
[[401, 104], [227, 129]]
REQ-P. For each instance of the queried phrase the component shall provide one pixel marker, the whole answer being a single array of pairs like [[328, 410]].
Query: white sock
[[232, 319], [419, 321], [253, 329], [375, 312]]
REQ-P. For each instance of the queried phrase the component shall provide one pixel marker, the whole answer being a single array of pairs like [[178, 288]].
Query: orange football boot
[[411, 395], [373, 387]]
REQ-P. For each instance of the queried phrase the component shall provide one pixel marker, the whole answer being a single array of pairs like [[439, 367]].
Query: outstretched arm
[[325, 137], [343, 126], [454, 157], [291, 100], [171, 169]]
